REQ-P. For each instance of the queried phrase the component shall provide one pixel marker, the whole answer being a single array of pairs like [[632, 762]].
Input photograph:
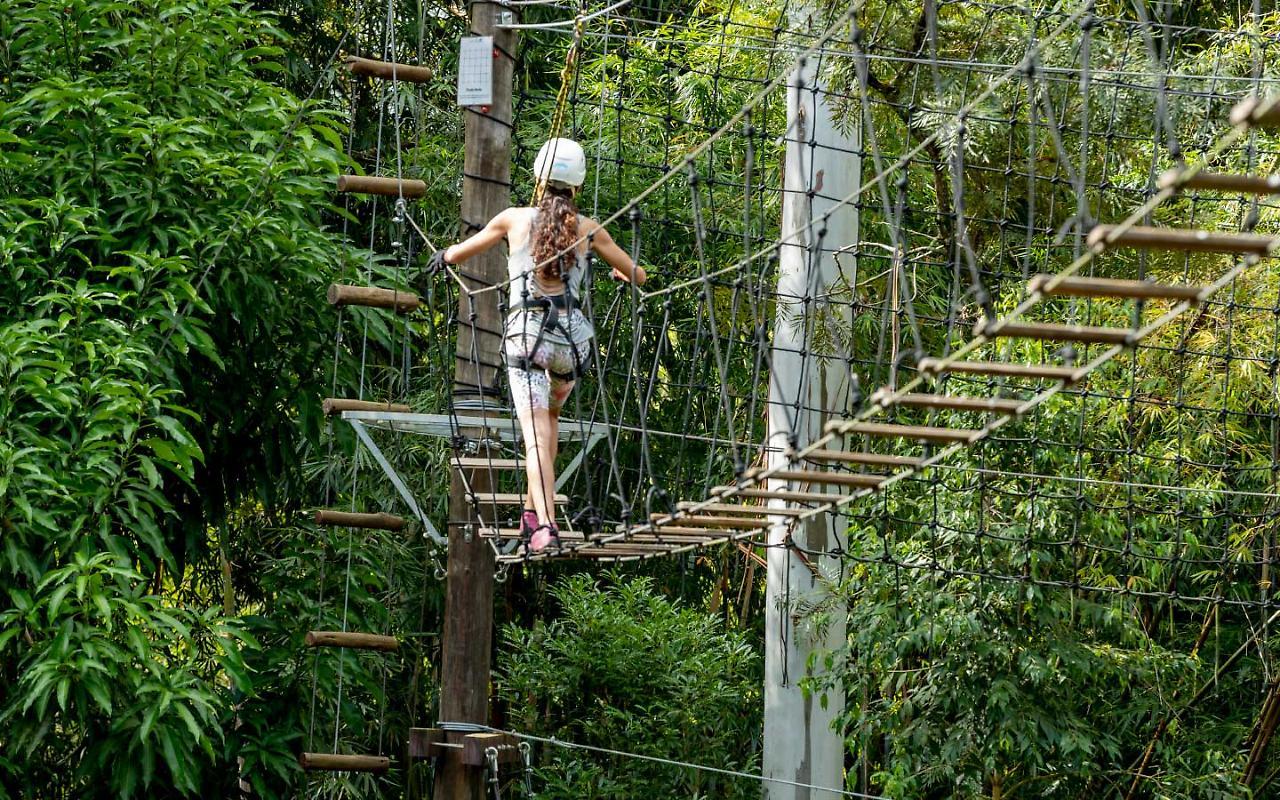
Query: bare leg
[[539, 441], [555, 437], [553, 444]]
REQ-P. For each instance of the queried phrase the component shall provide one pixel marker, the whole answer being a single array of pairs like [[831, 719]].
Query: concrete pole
[[820, 166]]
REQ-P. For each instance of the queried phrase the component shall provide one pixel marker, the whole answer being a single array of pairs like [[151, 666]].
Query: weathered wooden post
[[468, 619]]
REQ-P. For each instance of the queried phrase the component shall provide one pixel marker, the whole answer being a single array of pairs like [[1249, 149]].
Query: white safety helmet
[[561, 162]]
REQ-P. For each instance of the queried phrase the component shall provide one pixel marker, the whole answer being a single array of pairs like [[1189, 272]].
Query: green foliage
[[971, 684], [162, 333], [624, 668]]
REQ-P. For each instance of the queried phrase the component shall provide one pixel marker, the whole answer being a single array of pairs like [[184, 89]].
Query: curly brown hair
[[554, 234]]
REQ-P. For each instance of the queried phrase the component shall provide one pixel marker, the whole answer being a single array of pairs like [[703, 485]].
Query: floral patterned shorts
[[542, 388]]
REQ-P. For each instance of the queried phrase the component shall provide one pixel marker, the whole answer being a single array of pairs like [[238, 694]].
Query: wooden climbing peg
[[352, 641], [349, 519], [388, 70], [387, 187], [342, 294]]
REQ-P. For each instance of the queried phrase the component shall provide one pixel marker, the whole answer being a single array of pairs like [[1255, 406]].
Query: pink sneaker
[[544, 537], [528, 524]]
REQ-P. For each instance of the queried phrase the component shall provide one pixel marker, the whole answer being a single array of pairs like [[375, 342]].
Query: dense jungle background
[[168, 228]]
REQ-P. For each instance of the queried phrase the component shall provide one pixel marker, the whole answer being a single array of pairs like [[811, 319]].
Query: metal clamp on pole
[[491, 756], [526, 756]]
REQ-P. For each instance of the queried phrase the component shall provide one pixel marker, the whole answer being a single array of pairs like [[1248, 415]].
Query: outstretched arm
[[480, 241], [604, 245]]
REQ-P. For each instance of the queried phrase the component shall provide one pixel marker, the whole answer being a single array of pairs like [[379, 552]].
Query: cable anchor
[[491, 756], [526, 758]]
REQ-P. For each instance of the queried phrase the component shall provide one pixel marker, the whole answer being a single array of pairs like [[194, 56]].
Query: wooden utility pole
[[805, 388], [468, 615]]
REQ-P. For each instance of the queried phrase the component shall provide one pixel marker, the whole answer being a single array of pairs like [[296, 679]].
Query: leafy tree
[[162, 338], [622, 667]]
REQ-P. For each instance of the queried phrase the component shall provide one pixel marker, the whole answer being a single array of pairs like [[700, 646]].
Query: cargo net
[[891, 353]]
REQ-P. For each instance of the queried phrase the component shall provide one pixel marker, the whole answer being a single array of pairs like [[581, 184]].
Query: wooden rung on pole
[[333, 762], [918, 432], [389, 70], [934, 366], [514, 533], [744, 510], [352, 641], [995, 405], [342, 294], [1222, 182], [790, 497], [1181, 239], [507, 499], [387, 187], [1256, 111], [699, 521], [336, 405], [348, 519], [864, 458], [1052, 332], [482, 463], [1075, 286]]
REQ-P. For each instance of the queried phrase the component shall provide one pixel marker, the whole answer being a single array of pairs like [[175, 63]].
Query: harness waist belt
[[551, 305]]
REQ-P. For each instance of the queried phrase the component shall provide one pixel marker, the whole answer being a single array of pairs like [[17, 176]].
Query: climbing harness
[[550, 306]]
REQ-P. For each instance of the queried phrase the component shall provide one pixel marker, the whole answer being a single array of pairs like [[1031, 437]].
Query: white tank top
[[525, 283]]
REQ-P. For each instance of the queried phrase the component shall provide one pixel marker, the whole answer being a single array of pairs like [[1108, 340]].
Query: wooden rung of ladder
[[680, 541], [514, 533], [482, 463], [1256, 111], [817, 477], [674, 531], [342, 294], [507, 499], [744, 510], [352, 641], [699, 521], [336, 405], [876, 459], [675, 535], [790, 497], [387, 187], [994, 405], [333, 762], [612, 553], [1222, 182], [1053, 332], [934, 366], [1182, 240], [348, 519], [389, 70], [917, 432], [629, 544], [1075, 286]]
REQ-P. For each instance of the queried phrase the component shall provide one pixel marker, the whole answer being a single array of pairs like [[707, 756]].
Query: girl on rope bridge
[[546, 337]]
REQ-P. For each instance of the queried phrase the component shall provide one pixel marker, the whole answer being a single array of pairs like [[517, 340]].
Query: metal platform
[[496, 429], [505, 428]]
